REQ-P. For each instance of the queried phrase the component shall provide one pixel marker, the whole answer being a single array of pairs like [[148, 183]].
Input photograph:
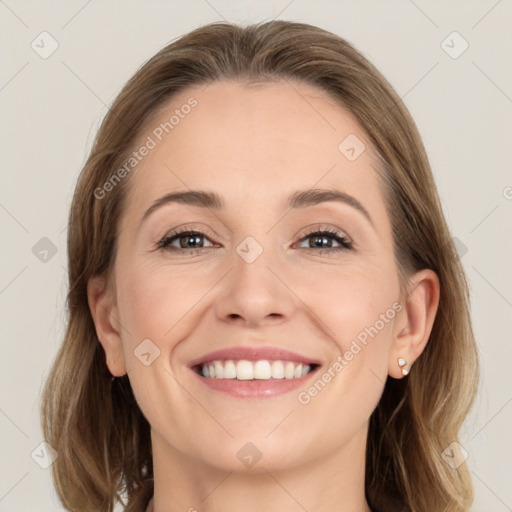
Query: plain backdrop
[[458, 88]]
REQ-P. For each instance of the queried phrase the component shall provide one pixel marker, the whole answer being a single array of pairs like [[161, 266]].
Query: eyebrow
[[298, 199]]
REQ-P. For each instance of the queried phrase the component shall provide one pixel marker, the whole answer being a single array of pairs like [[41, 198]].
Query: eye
[[322, 239], [188, 241]]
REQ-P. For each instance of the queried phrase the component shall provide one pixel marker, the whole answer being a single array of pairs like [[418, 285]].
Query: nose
[[255, 293]]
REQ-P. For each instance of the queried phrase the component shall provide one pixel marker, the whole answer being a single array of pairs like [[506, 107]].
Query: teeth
[[244, 371], [277, 370], [229, 370], [289, 371], [219, 369], [262, 370], [254, 370]]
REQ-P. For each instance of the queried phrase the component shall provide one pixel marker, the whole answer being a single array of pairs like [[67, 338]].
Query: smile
[[254, 370]]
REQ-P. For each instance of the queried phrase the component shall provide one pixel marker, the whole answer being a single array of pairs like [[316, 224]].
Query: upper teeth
[[249, 370]]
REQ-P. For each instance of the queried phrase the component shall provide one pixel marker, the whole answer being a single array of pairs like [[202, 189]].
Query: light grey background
[[51, 108]]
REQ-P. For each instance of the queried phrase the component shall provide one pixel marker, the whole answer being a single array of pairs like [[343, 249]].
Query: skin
[[254, 145]]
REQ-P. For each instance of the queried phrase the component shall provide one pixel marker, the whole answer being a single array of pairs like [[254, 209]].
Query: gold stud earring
[[402, 363]]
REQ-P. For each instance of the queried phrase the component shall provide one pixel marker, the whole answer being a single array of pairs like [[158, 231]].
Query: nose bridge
[[255, 255], [253, 238], [250, 250], [252, 291]]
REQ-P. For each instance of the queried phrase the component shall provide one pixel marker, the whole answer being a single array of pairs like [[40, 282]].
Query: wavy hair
[[95, 425]]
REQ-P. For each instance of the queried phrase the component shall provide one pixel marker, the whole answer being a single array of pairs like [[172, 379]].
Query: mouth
[[244, 370], [255, 373]]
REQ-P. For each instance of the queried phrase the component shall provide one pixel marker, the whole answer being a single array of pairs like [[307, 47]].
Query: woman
[[266, 310]]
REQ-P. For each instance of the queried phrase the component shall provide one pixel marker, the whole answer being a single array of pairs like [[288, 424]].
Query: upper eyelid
[[306, 232]]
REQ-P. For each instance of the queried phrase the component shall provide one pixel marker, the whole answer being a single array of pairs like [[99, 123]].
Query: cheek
[[156, 308], [350, 386], [345, 393], [348, 303], [158, 303], [356, 311]]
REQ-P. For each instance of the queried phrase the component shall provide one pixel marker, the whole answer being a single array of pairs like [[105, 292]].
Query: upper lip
[[253, 354]]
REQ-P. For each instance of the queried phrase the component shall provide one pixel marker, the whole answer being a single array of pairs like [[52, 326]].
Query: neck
[[332, 482]]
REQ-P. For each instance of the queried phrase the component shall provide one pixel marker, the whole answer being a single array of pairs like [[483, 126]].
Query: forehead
[[252, 141]]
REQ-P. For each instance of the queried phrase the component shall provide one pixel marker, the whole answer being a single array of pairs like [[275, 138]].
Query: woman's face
[[253, 275]]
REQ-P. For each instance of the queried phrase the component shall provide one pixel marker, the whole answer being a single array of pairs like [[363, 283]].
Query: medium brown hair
[[96, 427]]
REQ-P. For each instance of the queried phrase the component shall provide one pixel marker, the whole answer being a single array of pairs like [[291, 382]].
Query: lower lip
[[255, 389]]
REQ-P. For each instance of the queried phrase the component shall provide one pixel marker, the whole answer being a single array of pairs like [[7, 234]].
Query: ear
[[415, 323], [101, 298]]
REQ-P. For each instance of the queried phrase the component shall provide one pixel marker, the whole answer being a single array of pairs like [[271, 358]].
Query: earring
[[402, 363]]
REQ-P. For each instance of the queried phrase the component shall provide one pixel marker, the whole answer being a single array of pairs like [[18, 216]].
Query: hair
[[95, 425]]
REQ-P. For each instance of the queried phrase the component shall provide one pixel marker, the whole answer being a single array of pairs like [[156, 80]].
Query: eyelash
[[343, 240]]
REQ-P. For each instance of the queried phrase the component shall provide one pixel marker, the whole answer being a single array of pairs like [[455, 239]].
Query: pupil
[[320, 239], [190, 237]]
